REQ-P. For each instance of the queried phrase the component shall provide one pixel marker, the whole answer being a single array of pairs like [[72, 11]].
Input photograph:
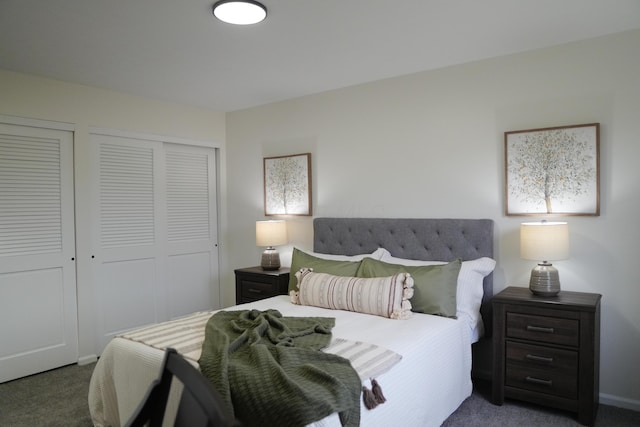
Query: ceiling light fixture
[[239, 12]]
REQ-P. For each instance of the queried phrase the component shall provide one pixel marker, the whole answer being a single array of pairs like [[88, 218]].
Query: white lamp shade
[[240, 12], [544, 241], [271, 233]]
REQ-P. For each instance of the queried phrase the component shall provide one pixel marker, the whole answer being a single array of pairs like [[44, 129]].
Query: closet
[[152, 232], [154, 252]]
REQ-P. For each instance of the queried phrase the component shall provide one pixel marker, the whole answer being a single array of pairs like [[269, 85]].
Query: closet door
[[38, 312], [156, 254], [191, 237], [126, 256]]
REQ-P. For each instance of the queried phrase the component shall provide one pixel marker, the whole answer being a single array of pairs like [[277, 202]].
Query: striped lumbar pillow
[[381, 296]]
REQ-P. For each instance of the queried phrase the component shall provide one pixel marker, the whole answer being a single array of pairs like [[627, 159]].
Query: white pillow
[[469, 290], [380, 296], [377, 254]]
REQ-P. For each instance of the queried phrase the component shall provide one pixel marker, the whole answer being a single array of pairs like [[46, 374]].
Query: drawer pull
[[255, 291], [539, 358], [539, 329], [540, 381]]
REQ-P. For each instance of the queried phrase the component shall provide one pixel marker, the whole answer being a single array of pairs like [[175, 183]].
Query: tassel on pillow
[[294, 297]]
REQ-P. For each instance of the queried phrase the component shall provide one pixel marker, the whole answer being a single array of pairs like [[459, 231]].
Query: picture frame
[[553, 171], [287, 185]]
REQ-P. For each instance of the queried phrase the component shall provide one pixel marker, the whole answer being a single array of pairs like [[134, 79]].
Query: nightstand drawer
[[542, 381], [258, 290], [541, 357], [543, 329], [254, 283]]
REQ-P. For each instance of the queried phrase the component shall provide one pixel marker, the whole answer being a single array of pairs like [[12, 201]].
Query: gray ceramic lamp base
[[544, 280], [270, 259]]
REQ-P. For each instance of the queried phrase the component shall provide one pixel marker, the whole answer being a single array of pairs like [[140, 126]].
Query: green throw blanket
[[270, 371]]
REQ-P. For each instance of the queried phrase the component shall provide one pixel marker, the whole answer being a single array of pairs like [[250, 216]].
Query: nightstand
[[546, 350], [254, 283]]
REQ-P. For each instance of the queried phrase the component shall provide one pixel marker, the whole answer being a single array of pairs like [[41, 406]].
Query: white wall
[[85, 107], [431, 145]]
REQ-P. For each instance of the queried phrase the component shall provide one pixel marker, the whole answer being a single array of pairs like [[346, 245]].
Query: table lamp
[[544, 241], [271, 233]]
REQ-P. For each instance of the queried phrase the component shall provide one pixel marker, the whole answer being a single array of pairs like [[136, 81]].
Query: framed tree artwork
[[287, 185], [553, 171]]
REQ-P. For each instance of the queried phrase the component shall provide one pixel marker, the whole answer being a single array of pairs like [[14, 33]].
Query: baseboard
[[87, 360], [620, 402]]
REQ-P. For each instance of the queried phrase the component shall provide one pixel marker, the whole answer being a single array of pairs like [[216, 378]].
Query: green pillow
[[301, 259], [434, 288]]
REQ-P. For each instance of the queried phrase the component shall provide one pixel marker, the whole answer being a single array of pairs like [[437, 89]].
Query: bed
[[433, 374]]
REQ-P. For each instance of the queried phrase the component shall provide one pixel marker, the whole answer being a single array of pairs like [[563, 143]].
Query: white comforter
[[423, 389]]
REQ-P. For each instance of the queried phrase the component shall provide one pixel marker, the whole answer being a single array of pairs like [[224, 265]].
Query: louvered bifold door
[[192, 252], [126, 255], [38, 312], [155, 257]]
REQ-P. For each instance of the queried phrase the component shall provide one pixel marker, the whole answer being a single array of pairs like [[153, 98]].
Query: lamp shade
[[544, 241], [240, 12], [271, 233]]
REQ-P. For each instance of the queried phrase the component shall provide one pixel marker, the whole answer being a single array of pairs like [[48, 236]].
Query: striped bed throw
[[186, 335], [369, 360]]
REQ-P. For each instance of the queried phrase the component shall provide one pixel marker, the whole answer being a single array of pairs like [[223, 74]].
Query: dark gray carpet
[[54, 398], [58, 398], [478, 411]]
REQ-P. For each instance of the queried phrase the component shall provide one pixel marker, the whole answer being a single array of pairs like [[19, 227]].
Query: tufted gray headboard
[[412, 238]]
